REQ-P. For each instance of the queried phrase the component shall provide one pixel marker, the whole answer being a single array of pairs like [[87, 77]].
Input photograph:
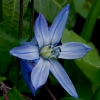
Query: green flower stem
[[21, 20], [50, 93], [19, 37], [32, 18], [91, 20]]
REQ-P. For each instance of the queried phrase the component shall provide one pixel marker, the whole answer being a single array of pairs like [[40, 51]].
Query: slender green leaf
[[90, 21], [96, 95]]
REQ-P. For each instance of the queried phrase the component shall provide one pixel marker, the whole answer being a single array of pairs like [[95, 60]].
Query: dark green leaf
[[15, 95], [1, 15], [26, 27], [1, 98], [96, 95], [5, 64], [6, 41], [69, 98], [53, 80], [22, 87], [2, 78], [13, 72], [11, 15]]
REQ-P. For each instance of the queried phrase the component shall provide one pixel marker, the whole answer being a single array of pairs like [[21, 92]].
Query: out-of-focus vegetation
[[84, 72]]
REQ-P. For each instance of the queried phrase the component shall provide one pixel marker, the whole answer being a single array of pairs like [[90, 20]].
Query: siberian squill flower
[[37, 56]]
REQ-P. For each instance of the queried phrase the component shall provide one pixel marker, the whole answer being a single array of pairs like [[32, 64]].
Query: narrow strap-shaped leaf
[[90, 22], [96, 95]]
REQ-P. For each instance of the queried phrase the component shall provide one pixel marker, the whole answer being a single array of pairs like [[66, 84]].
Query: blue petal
[[58, 25], [62, 77], [28, 43], [27, 52], [25, 67], [41, 31], [40, 73], [73, 50], [34, 41]]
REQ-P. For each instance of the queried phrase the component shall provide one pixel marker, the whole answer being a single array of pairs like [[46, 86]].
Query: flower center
[[49, 51]]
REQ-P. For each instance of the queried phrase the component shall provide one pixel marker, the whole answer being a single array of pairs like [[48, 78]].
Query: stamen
[[49, 46], [57, 54], [55, 44], [52, 51], [47, 52], [59, 49]]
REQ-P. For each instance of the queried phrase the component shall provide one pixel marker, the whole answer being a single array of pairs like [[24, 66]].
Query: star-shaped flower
[[37, 56]]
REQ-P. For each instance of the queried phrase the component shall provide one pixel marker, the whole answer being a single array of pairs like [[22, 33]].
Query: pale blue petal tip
[[67, 6], [11, 52], [41, 15], [89, 48], [76, 96]]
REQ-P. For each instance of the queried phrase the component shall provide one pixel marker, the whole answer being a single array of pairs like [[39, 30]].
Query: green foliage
[[6, 42], [15, 95], [5, 66], [1, 15], [69, 98], [96, 95], [53, 81], [11, 15], [91, 20], [79, 8], [84, 72], [2, 78], [50, 8], [83, 7], [22, 87], [82, 85], [90, 63]]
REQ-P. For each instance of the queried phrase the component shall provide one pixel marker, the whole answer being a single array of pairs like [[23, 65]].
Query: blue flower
[[44, 47]]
